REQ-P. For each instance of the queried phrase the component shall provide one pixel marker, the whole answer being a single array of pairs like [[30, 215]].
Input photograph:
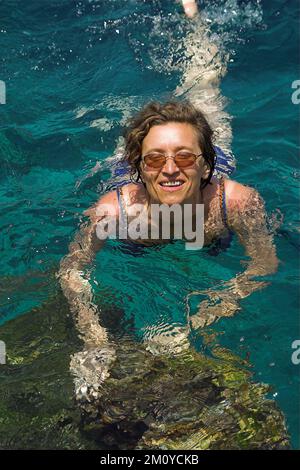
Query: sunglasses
[[182, 159]]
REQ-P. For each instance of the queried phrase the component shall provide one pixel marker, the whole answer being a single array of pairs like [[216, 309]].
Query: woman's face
[[168, 139]]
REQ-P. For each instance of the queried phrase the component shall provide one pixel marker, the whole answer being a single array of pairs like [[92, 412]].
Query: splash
[[200, 52], [197, 52]]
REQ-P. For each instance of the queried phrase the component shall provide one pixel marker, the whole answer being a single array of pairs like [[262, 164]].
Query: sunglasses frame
[[173, 157]]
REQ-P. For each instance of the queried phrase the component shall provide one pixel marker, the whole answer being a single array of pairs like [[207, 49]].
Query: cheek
[[203, 171], [196, 177], [145, 177], [148, 178]]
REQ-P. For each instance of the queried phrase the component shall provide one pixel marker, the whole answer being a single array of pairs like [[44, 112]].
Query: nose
[[170, 167]]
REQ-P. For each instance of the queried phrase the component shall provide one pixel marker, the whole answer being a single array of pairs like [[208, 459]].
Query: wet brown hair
[[155, 113]]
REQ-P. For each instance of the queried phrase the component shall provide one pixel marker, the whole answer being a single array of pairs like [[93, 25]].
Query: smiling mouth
[[171, 185]]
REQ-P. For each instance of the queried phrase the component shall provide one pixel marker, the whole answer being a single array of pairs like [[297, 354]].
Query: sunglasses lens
[[184, 161], [155, 161]]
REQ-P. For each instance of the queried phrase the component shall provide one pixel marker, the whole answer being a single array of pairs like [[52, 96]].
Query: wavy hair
[[155, 113]]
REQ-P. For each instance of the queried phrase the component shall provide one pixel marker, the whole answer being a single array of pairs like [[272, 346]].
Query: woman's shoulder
[[238, 194], [133, 193], [233, 190], [109, 202]]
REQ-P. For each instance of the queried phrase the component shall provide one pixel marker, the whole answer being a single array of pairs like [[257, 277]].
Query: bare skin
[[246, 217], [190, 8], [245, 214]]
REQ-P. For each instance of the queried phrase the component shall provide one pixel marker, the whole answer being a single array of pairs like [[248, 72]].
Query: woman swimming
[[170, 150]]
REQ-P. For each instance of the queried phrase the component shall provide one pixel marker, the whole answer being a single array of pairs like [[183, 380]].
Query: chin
[[174, 197], [171, 199]]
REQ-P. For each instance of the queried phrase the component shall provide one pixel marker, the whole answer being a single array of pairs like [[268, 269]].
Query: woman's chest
[[152, 227]]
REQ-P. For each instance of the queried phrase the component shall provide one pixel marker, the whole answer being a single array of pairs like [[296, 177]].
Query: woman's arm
[[75, 284], [91, 366], [247, 218]]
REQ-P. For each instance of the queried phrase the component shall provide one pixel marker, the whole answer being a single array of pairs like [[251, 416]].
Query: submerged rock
[[189, 402], [144, 401]]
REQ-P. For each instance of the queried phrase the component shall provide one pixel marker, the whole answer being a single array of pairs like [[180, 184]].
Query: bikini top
[[222, 200]]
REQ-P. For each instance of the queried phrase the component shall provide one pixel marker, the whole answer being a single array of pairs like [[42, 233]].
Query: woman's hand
[[90, 368], [225, 303], [242, 286], [219, 305]]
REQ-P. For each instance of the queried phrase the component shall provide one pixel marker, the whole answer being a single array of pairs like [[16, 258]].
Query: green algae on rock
[[148, 402]]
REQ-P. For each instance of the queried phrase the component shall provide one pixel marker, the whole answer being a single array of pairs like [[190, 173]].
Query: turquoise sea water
[[74, 72]]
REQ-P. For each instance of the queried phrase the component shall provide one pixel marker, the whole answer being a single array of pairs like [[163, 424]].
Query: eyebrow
[[180, 147]]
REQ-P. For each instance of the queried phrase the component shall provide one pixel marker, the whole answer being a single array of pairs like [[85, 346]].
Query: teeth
[[172, 183]]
